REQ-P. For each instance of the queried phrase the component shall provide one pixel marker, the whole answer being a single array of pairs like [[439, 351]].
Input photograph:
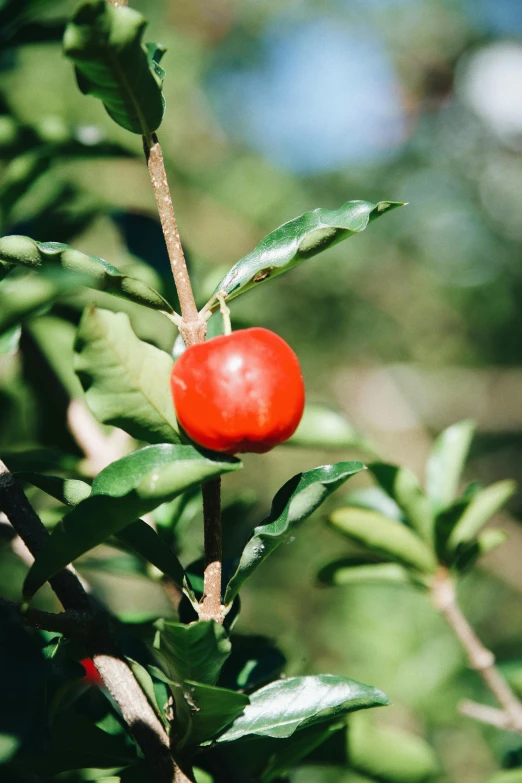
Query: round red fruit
[[92, 676], [239, 392]]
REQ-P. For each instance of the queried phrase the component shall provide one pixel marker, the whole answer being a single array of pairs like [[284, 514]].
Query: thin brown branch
[[192, 328], [211, 608], [117, 676], [485, 714], [481, 659]]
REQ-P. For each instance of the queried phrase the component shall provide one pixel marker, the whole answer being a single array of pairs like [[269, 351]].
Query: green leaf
[[507, 776], [483, 506], [67, 491], [212, 710], [403, 488], [297, 240], [20, 174], [467, 554], [253, 662], [192, 652], [388, 754], [101, 275], [122, 492], [287, 753], [10, 340], [375, 499], [385, 537], [147, 686], [323, 427], [285, 706], [352, 570], [21, 299], [294, 503], [126, 381], [112, 64], [446, 462]]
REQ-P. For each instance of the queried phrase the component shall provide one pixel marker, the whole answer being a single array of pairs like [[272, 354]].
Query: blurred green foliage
[[408, 327]]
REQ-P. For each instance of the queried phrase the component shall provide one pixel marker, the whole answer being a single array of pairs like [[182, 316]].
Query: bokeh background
[[274, 108]]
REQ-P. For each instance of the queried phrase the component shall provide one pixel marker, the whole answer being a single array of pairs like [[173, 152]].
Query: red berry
[[239, 392], [92, 676]]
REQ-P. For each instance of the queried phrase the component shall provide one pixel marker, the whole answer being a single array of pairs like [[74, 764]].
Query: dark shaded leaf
[[126, 381], [112, 64], [294, 503], [285, 706], [467, 554], [192, 652], [101, 275], [253, 662], [122, 492], [212, 710], [297, 240]]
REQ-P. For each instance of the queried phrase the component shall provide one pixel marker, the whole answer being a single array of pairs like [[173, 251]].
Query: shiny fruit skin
[[242, 392]]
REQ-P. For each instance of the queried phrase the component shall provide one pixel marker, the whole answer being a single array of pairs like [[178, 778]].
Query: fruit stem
[[225, 312], [211, 607]]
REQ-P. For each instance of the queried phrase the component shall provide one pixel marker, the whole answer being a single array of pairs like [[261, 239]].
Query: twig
[[117, 676], [211, 608], [69, 623], [192, 327], [479, 657], [481, 712]]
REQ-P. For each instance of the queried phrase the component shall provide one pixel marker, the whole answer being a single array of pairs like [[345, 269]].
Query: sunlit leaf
[[446, 461], [482, 507], [122, 492], [126, 381], [285, 706], [29, 253], [112, 64], [403, 488], [294, 503], [297, 240], [323, 427], [384, 537], [354, 570]]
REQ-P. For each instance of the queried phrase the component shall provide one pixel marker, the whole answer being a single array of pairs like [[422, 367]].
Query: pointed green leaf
[[212, 710], [21, 299], [122, 492], [446, 461], [126, 381], [10, 340], [351, 570], [467, 554], [192, 652], [287, 753], [101, 275], [285, 706], [112, 64], [403, 488], [294, 503], [137, 536], [483, 506], [323, 427], [297, 240], [147, 686], [384, 537]]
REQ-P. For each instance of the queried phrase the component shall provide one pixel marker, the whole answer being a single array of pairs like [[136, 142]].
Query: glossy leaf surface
[[446, 461], [126, 380], [297, 240], [294, 503], [192, 652], [285, 706], [122, 492], [385, 537], [26, 252], [112, 64]]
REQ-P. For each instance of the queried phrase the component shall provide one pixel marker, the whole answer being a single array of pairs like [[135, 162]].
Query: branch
[[481, 712], [192, 327], [117, 676], [211, 608], [69, 623], [481, 659]]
